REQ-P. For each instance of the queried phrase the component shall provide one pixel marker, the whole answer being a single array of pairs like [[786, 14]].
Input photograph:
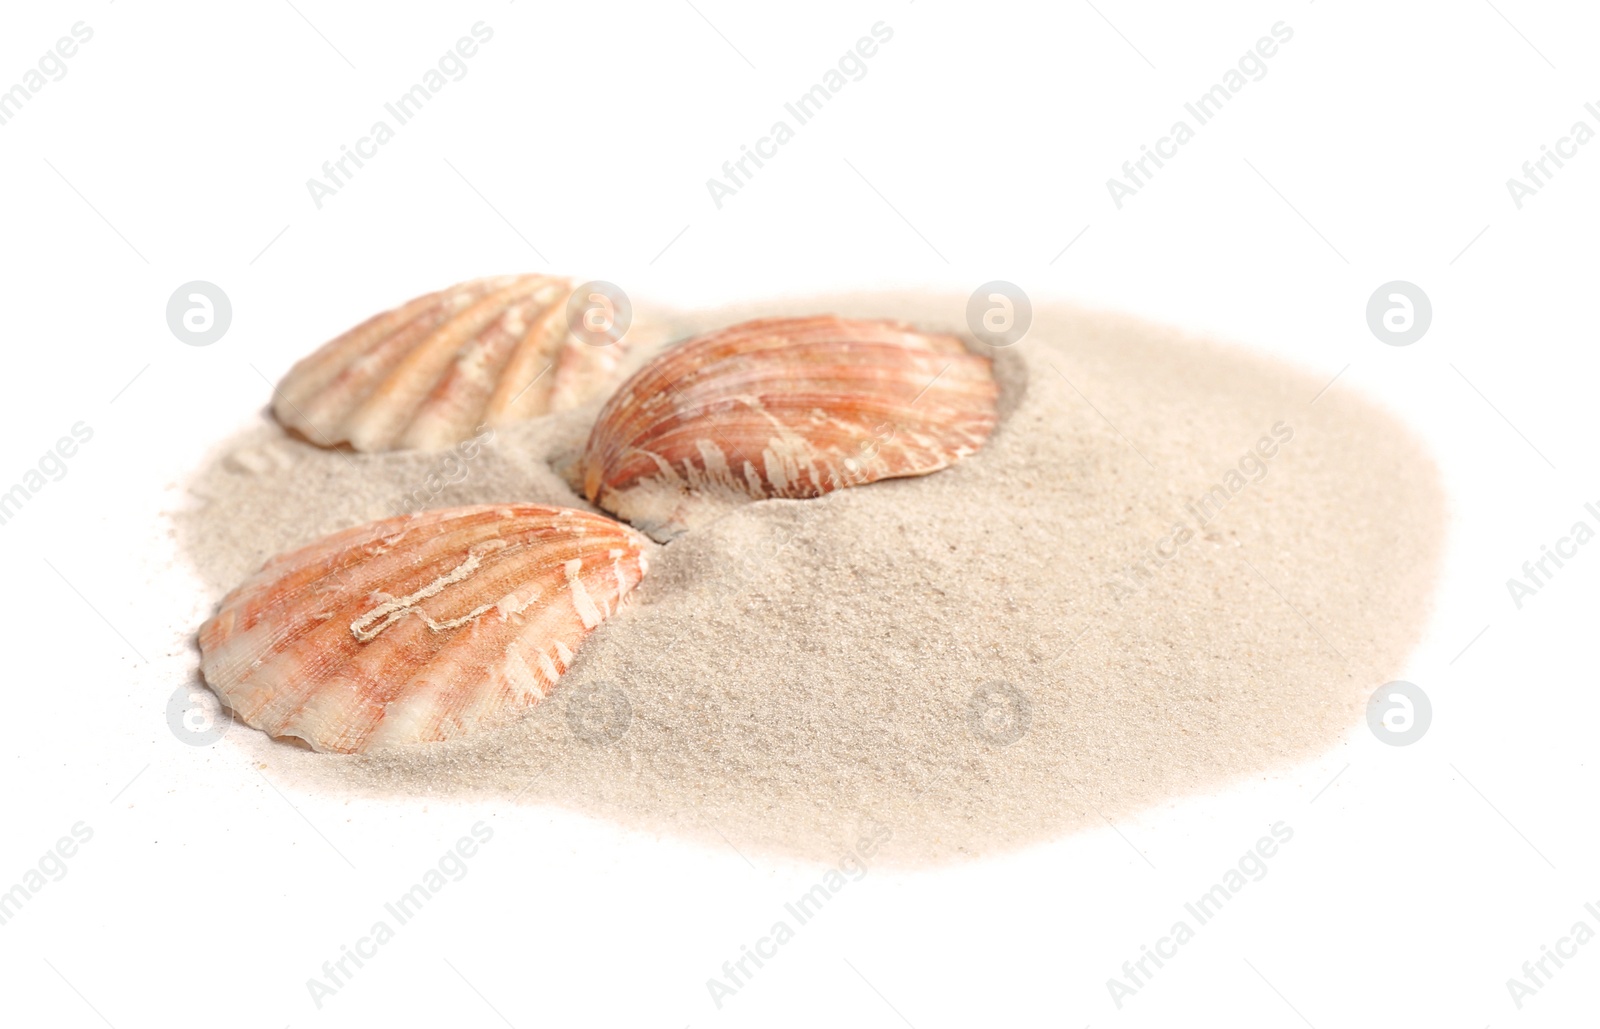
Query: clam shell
[[417, 628], [432, 372], [792, 407]]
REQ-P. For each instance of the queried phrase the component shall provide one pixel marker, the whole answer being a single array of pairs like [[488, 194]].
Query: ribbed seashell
[[431, 372], [792, 407], [417, 628]]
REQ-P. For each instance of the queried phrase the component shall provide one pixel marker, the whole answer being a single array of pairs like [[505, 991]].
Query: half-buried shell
[[432, 372], [783, 408], [417, 628]]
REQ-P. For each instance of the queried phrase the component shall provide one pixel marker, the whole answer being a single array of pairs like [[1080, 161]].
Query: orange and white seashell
[[792, 407], [417, 628], [431, 372]]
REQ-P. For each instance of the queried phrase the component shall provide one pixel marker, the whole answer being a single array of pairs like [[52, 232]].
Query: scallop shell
[[420, 627], [783, 408], [432, 372]]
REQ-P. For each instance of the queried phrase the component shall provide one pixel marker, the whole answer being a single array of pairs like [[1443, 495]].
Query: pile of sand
[[1168, 570]]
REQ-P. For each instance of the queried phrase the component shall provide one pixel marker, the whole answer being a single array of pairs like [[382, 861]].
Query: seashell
[[420, 627], [431, 372], [792, 407]]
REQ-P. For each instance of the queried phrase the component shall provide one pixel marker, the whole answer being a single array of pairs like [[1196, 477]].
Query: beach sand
[[1174, 566]]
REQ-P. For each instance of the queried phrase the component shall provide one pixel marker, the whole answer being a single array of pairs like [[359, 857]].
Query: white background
[[977, 147]]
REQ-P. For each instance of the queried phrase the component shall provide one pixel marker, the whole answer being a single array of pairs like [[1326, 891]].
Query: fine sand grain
[[1169, 570]]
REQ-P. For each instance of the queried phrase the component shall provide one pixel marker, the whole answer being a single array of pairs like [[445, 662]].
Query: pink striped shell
[[432, 372], [417, 628], [788, 407]]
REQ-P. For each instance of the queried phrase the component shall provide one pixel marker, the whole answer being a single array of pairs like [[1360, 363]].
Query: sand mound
[[1169, 570]]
